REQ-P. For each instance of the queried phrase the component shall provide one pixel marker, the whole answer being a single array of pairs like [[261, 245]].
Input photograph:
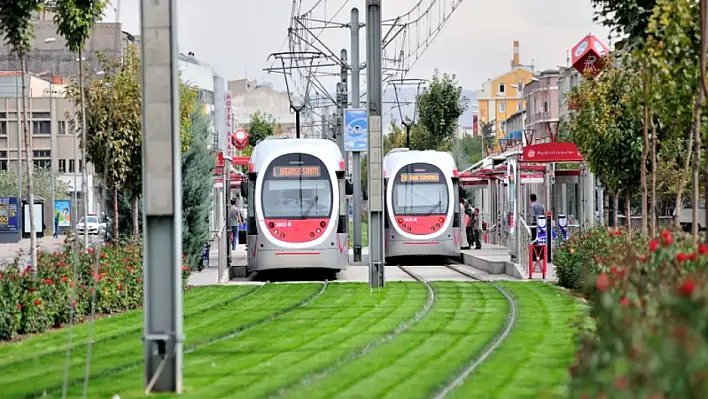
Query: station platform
[[495, 260]]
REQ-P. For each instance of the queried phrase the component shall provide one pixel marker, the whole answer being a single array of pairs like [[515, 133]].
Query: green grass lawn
[[252, 342], [364, 234]]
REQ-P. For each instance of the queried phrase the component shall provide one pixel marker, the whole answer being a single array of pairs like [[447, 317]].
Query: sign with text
[[296, 171], [420, 177], [551, 152], [229, 124], [9, 215]]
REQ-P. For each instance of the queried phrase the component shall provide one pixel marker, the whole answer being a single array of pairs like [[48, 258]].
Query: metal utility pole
[[375, 102], [52, 138], [19, 139], [162, 198], [356, 156], [343, 101]]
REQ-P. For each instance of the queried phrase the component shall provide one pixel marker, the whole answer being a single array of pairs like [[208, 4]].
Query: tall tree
[[625, 17], [260, 127], [197, 162], [18, 31], [41, 181], [74, 20], [394, 139], [439, 109]]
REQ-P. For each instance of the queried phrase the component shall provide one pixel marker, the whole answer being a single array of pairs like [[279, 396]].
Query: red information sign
[[239, 139]]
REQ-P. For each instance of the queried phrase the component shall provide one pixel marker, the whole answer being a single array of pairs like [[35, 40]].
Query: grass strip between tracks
[[33, 377], [417, 363], [532, 362], [196, 301], [263, 359]]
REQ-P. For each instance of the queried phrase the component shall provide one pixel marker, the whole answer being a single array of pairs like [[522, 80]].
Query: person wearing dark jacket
[[469, 231]]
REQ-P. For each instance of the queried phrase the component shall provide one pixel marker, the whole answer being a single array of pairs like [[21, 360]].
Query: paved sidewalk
[[8, 252], [210, 275]]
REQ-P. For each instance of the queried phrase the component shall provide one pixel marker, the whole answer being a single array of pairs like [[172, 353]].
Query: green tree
[[114, 126], [439, 109], [260, 127], [395, 138], [608, 129], [625, 17], [197, 162], [16, 25], [41, 181], [467, 151]]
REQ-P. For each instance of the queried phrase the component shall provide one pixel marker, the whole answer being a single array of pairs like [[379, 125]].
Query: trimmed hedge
[[33, 301]]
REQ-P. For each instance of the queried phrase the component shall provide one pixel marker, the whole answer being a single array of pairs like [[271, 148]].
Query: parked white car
[[91, 224], [686, 215]]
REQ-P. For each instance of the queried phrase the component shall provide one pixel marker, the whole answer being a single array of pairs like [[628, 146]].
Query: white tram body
[[422, 204], [297, 215]]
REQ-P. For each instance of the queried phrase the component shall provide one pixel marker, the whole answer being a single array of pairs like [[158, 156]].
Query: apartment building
[[569, 78], [542, 100], [53, 141], [503, 95], [513, 127]]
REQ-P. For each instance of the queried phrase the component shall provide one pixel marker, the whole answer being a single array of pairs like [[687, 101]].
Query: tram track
[[189, 348]]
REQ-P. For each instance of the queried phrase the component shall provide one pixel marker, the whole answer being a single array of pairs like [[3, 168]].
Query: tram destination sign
[[420, 177], [297, 171]]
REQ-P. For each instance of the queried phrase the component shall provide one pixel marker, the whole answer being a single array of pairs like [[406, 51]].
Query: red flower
[[37, 302], [624, 302], [653, 245], [603, 282], [137, 280], [19, 306], [688, 286], [621, 382], [692, 256], [64, 279], [667, 238], [618, 232], [681, 257], [32, 289], [703, 249], [61, 264]]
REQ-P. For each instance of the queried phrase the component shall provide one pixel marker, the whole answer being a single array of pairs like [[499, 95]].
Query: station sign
[[420, 177], [297, 171]]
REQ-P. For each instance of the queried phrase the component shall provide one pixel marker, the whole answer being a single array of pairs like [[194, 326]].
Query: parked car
[[92, 225]]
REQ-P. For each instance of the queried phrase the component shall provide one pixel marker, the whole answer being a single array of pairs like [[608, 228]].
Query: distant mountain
[[408, 95]]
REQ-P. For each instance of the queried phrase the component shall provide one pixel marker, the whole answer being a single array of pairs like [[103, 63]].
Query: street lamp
[[297, 104]]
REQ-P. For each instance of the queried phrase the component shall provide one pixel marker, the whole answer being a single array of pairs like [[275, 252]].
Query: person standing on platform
[[56, 224], [536, 210], [464, 244], [234, 221], [477, 229], [468, 224]]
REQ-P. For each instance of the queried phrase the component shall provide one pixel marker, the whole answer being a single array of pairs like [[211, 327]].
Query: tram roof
[[403, 156], [324, 149]]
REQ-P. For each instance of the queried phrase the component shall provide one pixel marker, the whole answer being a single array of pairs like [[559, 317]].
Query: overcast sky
[[236, 36]]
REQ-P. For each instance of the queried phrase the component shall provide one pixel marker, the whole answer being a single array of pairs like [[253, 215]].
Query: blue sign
[[9, 215], [205, 252], [356, 130]]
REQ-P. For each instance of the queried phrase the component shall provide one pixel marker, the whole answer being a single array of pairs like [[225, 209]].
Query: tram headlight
[[441, 220], [271, 225], [318, 231], [323, 224], [400, 220], [275, 232]]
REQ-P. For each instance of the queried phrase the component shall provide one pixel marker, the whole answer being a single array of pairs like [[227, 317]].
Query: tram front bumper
[[273, 259]]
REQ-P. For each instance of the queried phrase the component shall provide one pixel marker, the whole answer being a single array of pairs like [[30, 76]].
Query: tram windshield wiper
[[434, 207], [312, 203]]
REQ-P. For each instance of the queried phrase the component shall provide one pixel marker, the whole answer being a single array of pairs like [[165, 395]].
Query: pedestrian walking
[[56, 225], [235, 219], [464, 244]]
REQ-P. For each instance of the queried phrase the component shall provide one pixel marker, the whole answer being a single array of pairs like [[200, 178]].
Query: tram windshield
[[420, 189], [296, 186]]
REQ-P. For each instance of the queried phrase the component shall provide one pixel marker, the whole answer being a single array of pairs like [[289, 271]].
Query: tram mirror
[[244, 189], [562, 221], [348, 187]]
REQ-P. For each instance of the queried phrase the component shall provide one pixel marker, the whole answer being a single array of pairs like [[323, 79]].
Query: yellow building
[[503, 96]]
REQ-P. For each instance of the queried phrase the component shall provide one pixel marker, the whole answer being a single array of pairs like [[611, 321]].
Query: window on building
[[3, 165], [3, 115], [520, 88], [71, 166], [502, 107], [3, 154], [61, 127], [519, 106], [3, 128], [545, 106], [41, 154], [81, 166], [42, 163], [41, 127], [41, 115], [62, 166], [502, 88]]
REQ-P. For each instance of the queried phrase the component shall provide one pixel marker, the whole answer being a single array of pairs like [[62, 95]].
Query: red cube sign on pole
[[588, 55], [239, 139]]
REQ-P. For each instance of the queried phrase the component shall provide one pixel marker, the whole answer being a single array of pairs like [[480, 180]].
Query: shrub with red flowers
[[586, 254], [648, 337], [33, 301]]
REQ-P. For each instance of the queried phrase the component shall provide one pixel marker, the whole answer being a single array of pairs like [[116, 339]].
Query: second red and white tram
[[422, 204], [297, 218]]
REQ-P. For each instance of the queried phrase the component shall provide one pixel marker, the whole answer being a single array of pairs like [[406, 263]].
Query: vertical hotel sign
[[229, 126]]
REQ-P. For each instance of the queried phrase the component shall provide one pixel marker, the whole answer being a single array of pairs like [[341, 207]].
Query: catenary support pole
[[19, 139], [52, 138], [162, 196], [339, 117], [375, 101], [356, 155]]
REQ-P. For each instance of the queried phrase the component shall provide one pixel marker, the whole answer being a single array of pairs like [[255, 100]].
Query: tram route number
[[283, 224], [412, 177], [296, 171]]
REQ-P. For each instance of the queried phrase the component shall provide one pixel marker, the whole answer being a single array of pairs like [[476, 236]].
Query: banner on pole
[[356, 130]]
